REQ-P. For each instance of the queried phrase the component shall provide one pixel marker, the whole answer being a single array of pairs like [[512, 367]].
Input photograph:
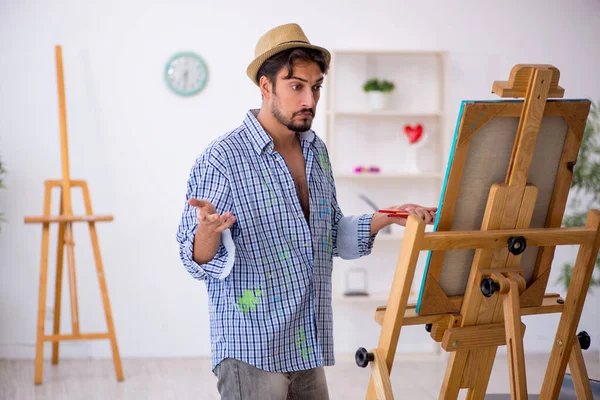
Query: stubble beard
[[302, 126]]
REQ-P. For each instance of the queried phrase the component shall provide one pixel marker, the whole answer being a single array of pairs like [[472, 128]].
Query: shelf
[[372, 297], [380, 298], [385, 113], [425, 175]]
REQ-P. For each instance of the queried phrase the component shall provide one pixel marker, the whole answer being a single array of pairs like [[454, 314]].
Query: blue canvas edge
[[449, 165], [438, 213]]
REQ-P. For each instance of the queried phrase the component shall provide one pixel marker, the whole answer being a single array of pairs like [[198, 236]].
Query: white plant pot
[[377, 100]]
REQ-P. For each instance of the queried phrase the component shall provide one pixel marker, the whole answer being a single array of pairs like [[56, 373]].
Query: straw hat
[[276, 40]]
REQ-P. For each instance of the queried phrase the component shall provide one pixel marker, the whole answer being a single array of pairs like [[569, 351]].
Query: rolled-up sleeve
[[351, 235], [206, 182]]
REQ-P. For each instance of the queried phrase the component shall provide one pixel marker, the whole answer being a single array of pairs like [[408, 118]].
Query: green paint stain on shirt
[[301, 344], [249, 300], [325, 163], [304, 353]]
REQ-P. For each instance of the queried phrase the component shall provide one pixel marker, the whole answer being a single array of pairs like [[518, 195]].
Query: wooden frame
[[488, 314], [65, 220]]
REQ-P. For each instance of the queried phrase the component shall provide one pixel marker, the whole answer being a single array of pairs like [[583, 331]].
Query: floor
[[414, 377]]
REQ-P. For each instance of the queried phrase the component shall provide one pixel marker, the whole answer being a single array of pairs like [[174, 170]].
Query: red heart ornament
[[413, 134]]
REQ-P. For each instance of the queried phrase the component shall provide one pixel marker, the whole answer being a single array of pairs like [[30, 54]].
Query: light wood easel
[[65, 220], [472, 326]]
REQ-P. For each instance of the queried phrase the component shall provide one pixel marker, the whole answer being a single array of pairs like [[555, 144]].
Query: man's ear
[[266, 87]]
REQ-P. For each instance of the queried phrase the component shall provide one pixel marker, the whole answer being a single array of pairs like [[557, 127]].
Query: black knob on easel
[[428, 327], [489, 286], [517, 245], [363, 357], [584, 340]]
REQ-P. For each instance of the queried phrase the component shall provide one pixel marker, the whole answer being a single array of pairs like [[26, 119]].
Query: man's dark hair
[[273, 65]]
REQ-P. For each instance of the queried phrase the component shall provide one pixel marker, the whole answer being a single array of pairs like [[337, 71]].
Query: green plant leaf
[[387, 86], [565, 275], [375, 84], [371, 85]]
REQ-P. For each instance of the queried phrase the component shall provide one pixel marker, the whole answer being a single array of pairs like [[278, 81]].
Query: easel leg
[[453, 377], [565, 334], [69, 242], [39, 347], [381, 377], [581, 380], [103, 288], [58, 291], [514, 343], [484, 370], [400, 291], [106, 302]]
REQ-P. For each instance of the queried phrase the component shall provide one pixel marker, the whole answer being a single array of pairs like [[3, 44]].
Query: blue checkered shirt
[[269, 284]]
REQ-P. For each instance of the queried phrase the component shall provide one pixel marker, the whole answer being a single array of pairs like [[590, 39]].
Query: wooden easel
[[65, 220], [472, 326]]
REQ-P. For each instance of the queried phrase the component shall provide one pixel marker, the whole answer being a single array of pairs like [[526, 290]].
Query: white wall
[[134, 141]]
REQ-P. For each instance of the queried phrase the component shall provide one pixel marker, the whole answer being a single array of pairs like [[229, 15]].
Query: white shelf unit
[[359, 136]]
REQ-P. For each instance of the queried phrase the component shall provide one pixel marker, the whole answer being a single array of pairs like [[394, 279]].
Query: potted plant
[[378, 92], [585, 187]]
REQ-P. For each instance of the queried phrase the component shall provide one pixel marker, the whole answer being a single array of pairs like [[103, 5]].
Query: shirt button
[[305, 244]]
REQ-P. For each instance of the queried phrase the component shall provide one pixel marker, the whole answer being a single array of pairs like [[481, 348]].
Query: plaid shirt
[[269, 284]]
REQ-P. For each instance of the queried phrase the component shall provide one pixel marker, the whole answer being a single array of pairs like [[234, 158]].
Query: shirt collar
[[261, 140]]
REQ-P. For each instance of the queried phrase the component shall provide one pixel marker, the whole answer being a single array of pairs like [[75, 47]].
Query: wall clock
[[186, 73]]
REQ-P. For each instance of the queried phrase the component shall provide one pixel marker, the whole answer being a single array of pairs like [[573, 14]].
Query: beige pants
[[240, 381]]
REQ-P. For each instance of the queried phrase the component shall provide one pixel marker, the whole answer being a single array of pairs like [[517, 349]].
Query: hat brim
[[255, 65]]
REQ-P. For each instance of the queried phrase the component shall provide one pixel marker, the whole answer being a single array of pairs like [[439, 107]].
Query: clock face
[[186, 73]]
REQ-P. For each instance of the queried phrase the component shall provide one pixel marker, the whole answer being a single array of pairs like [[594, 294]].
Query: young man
[[261, 226]]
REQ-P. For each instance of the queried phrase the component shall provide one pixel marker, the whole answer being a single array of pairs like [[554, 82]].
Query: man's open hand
[[208, 219]]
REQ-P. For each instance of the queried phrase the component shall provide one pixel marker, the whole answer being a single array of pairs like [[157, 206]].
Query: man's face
[[294, 100]]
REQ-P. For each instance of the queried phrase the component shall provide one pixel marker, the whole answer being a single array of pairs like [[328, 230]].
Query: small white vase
[[412, 164], [377, 100], [412, 155]]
